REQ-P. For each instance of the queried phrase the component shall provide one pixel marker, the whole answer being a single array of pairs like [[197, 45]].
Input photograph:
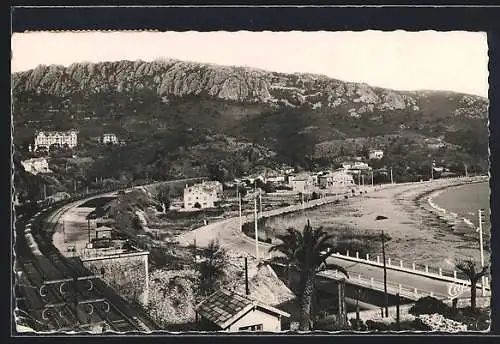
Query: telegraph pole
[[256, 229], [260, 202], [88, 226], [239, 205], [372, 177], [392, 180], [432, 170], [385, 278], [480, 230]]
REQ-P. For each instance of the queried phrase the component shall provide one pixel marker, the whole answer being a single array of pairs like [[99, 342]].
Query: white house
[[334, 179], [36, 165], [376, 154], [203, 195], [303, 183], [110, 138], [229, 311], [44, 139]]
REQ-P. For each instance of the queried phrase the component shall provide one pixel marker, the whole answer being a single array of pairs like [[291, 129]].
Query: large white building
[[36, 165], [303, 183], [203, 195], [45, 139], [335, 179]]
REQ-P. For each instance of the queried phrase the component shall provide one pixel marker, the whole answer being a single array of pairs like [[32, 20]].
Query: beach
[[417, 233]]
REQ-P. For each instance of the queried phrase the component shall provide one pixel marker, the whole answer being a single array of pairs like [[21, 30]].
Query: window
[[251, 328]]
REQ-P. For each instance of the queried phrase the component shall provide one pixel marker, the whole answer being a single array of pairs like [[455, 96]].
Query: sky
[[430, 60]]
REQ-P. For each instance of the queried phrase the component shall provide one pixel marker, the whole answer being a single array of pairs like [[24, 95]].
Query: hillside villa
[[229, 311], [109, 138], [36, 165], [202, 195], [375, 154], [45, 139]]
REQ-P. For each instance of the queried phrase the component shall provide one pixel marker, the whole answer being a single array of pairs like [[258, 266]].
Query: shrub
[[430, 305]]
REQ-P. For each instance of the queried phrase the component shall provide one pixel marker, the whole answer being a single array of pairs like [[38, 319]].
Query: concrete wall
[[269, 322], [126, 275]]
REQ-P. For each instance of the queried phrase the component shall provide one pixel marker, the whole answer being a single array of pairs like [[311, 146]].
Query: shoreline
[[416, 230], [450, 216]]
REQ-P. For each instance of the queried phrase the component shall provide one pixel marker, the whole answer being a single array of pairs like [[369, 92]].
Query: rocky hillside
[[169, 78], [183, 117]]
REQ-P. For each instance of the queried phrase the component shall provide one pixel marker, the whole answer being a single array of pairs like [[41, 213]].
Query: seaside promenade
[[381, 200]]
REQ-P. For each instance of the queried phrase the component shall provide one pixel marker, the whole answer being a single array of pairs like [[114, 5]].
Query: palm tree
[[307, 252], [468, 267]]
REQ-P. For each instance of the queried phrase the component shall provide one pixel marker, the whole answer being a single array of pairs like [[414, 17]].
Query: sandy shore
[[417, 233]]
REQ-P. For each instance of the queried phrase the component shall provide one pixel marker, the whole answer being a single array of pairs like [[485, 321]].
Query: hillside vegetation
[[188, 119]]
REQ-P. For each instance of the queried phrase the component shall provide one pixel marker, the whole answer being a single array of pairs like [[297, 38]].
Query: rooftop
[[224, 307]]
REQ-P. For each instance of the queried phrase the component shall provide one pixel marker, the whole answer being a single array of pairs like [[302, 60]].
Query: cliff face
[[169, 78]]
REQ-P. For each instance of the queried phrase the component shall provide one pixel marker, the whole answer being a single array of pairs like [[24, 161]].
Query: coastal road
[[228, 234]]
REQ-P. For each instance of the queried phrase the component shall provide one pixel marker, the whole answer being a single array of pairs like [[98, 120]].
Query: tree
[[468, 267], [211, 270], [307, 253], [163, 196]]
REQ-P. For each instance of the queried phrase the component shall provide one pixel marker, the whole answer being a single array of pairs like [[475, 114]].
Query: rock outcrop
[[178, 78]]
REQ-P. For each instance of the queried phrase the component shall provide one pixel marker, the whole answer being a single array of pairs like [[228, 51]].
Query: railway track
[[39, 261]]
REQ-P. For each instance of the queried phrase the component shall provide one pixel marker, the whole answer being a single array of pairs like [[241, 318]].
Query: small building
[[334, 179], [103, 232], [375, 154], [109, 138], [36, 165], [45, 139], [229, 311], [202, 195], [303, 183]]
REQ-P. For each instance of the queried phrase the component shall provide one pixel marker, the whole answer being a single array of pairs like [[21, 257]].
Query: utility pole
[[385, 277], [44, 191], [432, 170], [239, 205], [397, 312], [466, 173], [88, 226], [372, 177], [247, 290], [260, 202], [392, 180], [64, 232], [256, 229], [480, 230]]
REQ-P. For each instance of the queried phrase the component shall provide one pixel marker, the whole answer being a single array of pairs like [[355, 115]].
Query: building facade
[[110, 138], [45, 139], [36, 165], [203, 195], [376, 154], [232, 312], [335, 179], [302, 183]]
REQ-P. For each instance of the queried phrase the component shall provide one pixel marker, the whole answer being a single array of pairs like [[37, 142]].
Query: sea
[[466, 200]]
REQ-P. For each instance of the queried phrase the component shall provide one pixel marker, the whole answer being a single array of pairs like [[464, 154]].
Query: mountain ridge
[[178, 78]]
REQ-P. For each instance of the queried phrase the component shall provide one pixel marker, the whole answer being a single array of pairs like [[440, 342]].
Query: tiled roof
[[222, 306]]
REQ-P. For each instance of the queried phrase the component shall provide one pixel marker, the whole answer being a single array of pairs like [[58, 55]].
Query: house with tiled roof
[[229, 311]]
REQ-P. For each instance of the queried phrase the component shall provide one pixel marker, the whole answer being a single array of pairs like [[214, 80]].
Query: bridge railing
[[405, 291], [410, 267]]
